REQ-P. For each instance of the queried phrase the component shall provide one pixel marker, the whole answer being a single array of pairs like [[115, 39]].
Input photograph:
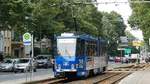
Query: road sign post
[[121, 56], [28, 41], [137, 44], [138, 48], [32, 55]]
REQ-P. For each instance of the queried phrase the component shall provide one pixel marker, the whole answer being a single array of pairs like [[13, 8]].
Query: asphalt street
[[9, 76], [112, 65]]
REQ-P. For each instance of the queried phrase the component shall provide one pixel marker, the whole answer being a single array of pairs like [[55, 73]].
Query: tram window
[[80, 47], [91, 49], [101, 50]]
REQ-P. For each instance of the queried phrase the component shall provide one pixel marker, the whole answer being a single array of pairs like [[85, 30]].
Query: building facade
[[18, 49], [7, 42], [1, 46]]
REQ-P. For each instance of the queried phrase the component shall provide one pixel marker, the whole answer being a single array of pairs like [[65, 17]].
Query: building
[[11, 45], [44, 45], [17, 46], [1, 46], [17, 49], [7, 42]]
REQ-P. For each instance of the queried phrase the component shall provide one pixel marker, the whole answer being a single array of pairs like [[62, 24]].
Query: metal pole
[[75, 24], [121, 57], [32, 58], [137, 47]]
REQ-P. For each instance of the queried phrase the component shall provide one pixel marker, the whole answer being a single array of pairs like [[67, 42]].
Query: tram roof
[[82, 36]]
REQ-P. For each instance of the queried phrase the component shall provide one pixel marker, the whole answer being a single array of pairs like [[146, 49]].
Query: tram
[[79, 55]]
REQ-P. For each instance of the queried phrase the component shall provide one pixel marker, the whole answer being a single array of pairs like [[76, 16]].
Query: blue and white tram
[[79, 55]]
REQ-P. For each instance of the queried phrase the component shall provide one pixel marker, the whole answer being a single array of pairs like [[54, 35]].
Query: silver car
[[43, 61], [24, 65], [8, 65]]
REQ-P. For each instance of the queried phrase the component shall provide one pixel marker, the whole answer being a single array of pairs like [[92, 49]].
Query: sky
[[122, 8]]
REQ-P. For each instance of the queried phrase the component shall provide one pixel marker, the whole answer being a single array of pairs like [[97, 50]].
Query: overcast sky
[[122, 8]]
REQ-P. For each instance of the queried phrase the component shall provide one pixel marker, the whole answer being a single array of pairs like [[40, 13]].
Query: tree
[[44, 18], [140, 18], [78, 16], [10, 13], [44, 15], [113, 27]]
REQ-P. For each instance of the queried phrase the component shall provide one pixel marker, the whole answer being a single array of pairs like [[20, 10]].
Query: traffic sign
[[120, 48], [137, 43], [27, 39], [127, 51]]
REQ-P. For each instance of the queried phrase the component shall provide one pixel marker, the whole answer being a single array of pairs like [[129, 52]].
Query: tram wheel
[[95, 71]]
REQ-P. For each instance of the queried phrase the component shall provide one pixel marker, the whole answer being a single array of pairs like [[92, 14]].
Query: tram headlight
[[77, 65], [72, 66], [59, 66]]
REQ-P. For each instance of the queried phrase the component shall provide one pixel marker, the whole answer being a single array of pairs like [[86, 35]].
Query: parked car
[[8, 65], [111, 58], [24, 65], [117, 59], [43, 61], [125, 60]]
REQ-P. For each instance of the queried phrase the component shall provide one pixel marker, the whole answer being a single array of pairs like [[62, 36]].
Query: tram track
[[130, 68], [114, 79], [56, 81], [48, 81], [109, 77], [96, 79]]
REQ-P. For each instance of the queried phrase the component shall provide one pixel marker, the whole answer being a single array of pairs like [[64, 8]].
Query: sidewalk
[[139, 77]]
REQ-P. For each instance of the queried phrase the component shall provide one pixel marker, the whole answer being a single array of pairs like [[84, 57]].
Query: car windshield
[[41, 57], [23, 61], [8, 61]]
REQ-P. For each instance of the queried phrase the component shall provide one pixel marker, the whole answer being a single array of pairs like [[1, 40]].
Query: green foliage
[[49, 17], [140, 18], [129, 35], [113, 27]]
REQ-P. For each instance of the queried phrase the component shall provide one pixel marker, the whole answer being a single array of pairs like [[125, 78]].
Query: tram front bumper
[[66, 70]]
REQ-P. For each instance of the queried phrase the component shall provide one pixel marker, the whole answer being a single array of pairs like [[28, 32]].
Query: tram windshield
[[66, 47]]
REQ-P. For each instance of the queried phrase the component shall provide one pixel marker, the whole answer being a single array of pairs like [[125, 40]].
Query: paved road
[[17, 78], [6, 73], [112, 65], [10, 76]]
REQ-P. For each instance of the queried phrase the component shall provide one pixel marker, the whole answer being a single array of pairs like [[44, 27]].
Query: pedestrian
[[146, 59], [53, 62]]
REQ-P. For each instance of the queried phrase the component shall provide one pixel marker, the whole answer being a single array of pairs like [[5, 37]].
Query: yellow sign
[[137, 43]]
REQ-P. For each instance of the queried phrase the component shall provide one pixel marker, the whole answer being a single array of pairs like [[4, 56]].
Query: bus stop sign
[[27, 39]]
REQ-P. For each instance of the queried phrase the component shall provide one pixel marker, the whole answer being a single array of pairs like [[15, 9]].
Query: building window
[[5, 49], [8, 49]]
